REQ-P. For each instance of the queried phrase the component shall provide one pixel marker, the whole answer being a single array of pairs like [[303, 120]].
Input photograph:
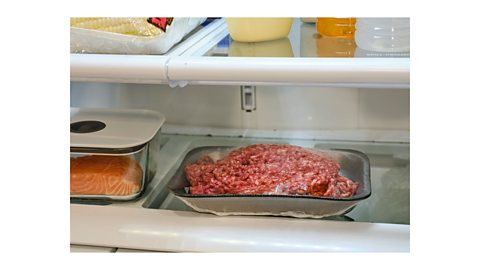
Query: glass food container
[[109, 151]]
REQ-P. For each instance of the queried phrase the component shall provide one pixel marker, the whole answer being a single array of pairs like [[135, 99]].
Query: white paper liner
[[296, 214]]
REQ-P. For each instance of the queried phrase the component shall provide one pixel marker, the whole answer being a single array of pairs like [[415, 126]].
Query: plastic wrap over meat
[[154, 35], [270, 169]]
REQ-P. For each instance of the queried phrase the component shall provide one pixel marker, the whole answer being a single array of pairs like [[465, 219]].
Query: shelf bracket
[[248, 98]]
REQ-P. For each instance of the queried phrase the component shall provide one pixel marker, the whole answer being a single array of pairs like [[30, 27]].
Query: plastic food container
[[354, 165], [258, 29], [109, 152], [128, 35], [383, 34]]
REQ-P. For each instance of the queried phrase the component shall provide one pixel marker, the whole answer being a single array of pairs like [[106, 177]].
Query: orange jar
[[336, 27]]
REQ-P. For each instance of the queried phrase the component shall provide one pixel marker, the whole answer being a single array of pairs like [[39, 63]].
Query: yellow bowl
[[258, 29]]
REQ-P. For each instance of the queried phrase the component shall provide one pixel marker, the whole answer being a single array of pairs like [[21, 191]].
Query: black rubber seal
[[86, 126]]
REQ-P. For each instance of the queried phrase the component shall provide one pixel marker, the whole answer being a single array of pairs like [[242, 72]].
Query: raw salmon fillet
[[104, 175]]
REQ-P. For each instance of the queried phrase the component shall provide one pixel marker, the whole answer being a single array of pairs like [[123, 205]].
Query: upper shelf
[[209, 56], [132, 68]]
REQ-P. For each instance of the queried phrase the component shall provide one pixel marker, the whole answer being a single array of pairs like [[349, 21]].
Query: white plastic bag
[[84, 40]]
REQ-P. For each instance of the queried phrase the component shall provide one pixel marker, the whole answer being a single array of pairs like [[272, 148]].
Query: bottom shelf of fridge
[[158, 221]]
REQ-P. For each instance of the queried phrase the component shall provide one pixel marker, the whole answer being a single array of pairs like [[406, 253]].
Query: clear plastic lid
[[112, 130]]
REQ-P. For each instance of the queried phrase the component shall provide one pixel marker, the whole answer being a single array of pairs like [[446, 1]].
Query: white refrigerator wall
[[326, 113]]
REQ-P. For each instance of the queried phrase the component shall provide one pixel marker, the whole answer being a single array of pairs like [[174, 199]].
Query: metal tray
[[354, 165]]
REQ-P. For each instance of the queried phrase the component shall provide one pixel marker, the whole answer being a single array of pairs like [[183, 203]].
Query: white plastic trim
[[164, 230], [118, 68], [352, 71]]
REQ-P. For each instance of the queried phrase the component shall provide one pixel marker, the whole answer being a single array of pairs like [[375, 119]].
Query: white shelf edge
[[201, 47], [196, 38], [153, 229], [399, 86], [117, 68], [132, 68], [366, 72], [361, 135]]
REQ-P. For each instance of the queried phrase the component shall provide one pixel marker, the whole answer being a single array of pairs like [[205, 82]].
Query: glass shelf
[[303, 41], [209, 56]]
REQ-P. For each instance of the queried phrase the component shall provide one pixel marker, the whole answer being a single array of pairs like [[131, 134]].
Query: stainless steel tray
[[354, 165]]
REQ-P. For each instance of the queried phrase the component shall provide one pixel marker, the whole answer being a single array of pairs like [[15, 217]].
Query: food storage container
[[109, 151], [258, 29], [154, 35], [354, 165]]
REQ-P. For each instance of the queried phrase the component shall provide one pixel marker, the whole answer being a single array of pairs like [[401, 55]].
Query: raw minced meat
[[270, 169]]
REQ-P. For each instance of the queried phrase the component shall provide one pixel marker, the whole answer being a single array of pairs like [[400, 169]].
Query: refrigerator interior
[[373, 120]]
